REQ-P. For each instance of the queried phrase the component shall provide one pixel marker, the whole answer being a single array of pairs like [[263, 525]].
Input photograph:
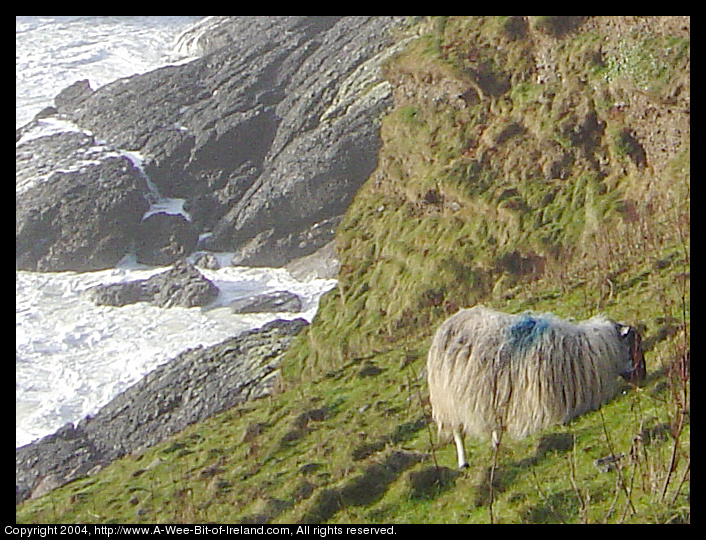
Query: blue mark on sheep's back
[[525, 331]]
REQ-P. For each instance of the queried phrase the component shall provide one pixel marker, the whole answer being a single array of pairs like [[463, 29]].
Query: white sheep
[[492, 373]]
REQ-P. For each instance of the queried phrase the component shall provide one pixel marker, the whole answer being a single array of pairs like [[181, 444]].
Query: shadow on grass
[[505, 474], [431, 482], [364, 489]]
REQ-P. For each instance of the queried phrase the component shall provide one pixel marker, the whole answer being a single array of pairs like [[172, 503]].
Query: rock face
[[78, 204], [163, 238], [72, 96], [267, 137], [274, 302], [193, 386], [182, 285], [322, 264]]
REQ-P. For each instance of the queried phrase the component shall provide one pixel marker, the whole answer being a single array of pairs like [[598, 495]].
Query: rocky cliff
[[265, 139], [193, 386]]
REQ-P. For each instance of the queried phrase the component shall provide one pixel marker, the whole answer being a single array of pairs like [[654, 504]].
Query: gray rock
[[70, 98], [119, 294], [267, 137], [53, 461], [322, 264], [208, 261], [193, 386], [78, 205], [182, 285], [164, 238], [274, 302]]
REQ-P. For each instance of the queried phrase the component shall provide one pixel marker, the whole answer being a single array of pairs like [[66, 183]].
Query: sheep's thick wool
[[492, 373]]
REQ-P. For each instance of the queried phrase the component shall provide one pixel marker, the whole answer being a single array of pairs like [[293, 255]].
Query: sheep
[[491, 373]]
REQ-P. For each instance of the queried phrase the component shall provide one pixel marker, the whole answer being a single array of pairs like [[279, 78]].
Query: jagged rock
[[119, 294], [70, 98], [182, 285], [78, 204], [274, 302], [267, 137], [46, 112], [193, 386], [322, 264], [53, 461], [268, 248], [208, 261], [164, 238]]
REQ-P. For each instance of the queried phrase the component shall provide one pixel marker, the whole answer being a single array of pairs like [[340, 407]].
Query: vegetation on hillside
[[529, 163], [514, 161]]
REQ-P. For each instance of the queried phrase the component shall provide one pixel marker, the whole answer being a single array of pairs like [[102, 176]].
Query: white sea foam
[[53, 52], [46, 127], [165, 205], [73, 357]]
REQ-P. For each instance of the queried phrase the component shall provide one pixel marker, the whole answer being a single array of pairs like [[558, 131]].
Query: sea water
[[72, 357], [53, 52]]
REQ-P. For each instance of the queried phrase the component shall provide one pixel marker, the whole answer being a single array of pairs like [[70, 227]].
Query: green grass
[[522, 196], [352, 446], [647, 63]]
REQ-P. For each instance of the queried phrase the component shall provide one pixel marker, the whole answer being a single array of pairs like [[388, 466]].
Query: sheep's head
[[636, 370]]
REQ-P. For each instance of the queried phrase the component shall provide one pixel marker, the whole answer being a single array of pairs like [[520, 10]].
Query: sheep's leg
[[458, 438], [495, 438]]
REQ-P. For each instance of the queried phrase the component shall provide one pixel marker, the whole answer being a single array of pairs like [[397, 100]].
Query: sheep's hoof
[[464, 466]]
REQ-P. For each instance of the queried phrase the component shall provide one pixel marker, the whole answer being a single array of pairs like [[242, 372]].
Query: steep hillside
[[521, 155], [529, 163]]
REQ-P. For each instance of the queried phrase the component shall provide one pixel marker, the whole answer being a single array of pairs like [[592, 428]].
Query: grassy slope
[[570, 196]]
